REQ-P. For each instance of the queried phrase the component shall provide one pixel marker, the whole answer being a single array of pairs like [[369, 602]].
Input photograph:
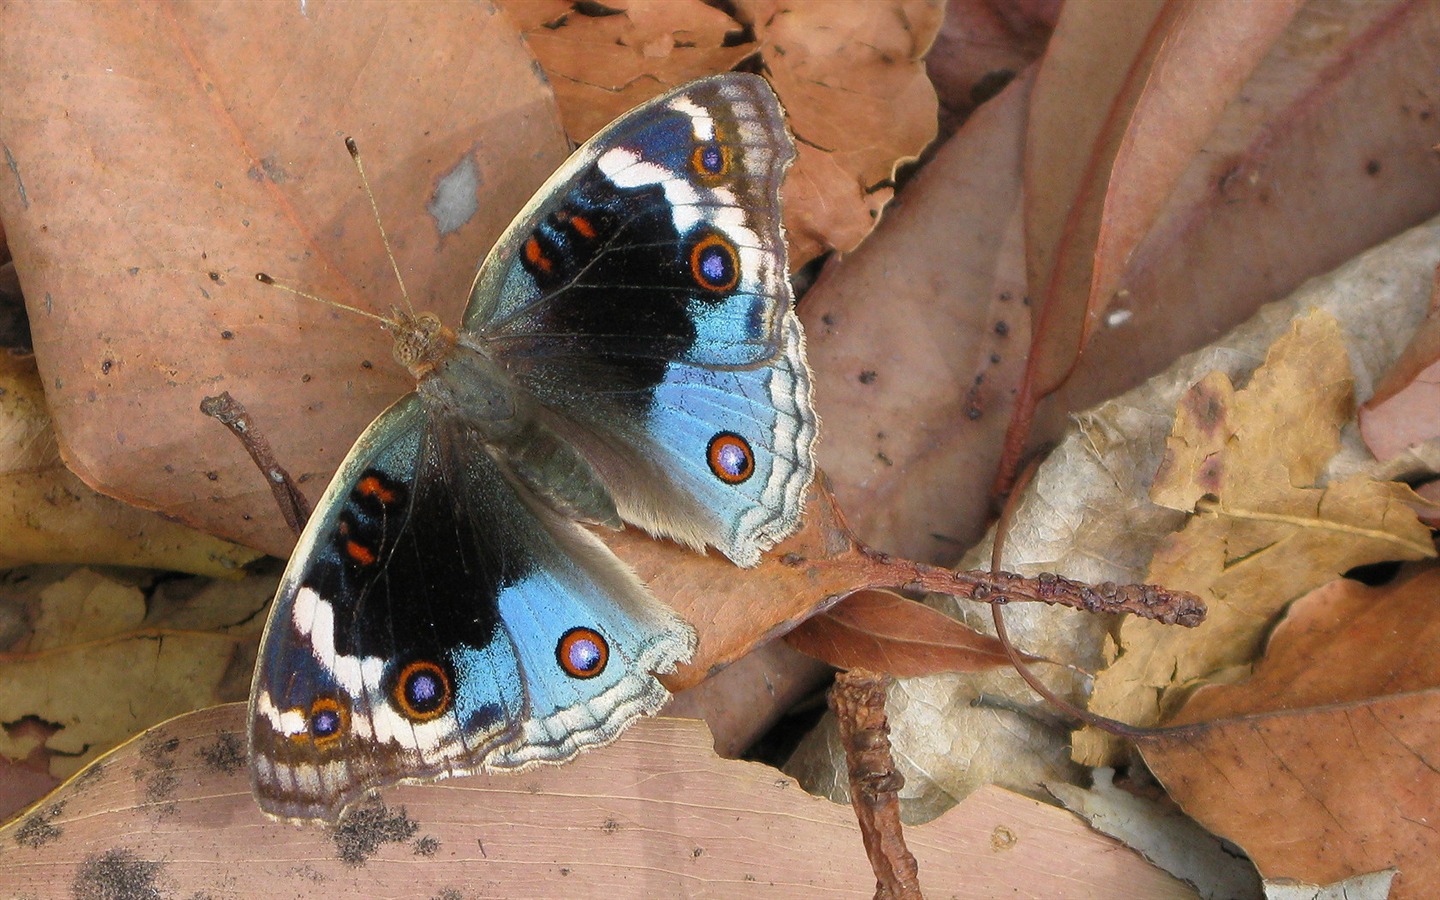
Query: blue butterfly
[[629, 354]]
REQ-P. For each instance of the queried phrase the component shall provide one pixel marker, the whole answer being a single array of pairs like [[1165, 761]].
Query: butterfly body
[[628, 354]]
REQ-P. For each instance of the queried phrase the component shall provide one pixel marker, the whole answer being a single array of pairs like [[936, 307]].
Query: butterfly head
[[421, 341]]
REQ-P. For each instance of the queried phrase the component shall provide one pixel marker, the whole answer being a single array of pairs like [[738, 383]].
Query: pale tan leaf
[[656, 814]]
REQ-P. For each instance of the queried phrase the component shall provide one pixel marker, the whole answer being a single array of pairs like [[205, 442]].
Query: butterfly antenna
[[354, 149], [267, 280]]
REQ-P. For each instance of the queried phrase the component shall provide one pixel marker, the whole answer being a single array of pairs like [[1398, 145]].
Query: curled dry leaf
[[103, 664], [1336, 123], [884, 632], [609, 823], [1155, 79], [1268, 527], [851, 76], [48, 515]]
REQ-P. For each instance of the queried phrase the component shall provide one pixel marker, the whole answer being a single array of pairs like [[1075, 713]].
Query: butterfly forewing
[[643, 297]]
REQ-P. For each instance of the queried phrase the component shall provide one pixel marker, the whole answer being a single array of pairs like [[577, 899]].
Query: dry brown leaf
[[172, 811], [1138, 88], [604, 59], [169, 152], [1326, 721], [885, 632], [852, 77], [1306, 142], [47, 515], [1272, 532], [918, 345], [1318, 794], [101, 664]]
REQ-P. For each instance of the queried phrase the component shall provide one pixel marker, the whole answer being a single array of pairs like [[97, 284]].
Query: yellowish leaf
[[1265, 531]]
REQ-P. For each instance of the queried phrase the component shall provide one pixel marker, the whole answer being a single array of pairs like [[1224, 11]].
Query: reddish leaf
[[887, 633], [1319, 794], [1306, 142]]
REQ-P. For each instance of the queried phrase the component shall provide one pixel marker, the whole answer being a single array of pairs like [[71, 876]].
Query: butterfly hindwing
[[433, 622]]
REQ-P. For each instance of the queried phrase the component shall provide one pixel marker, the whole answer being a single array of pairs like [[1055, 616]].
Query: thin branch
[[229, 412], [858, 700]]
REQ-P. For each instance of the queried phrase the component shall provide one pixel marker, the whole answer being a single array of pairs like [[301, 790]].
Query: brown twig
[[879, 570], [229, 412], [858, 700]]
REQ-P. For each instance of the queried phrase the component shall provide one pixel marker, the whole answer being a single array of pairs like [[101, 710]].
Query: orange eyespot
[[730, 457], [582, 653], [713, 263], [327, 721], [710, 161], [422, 691]]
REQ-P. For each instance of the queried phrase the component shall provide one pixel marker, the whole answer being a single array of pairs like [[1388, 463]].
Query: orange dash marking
[[370, 486], [583, 227], [360, 553], [536, 257]]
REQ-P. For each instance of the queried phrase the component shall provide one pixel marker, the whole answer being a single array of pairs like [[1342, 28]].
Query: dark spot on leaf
[[39, 828], [365, 829], [226, 755], [116, 874], [1206, 408]]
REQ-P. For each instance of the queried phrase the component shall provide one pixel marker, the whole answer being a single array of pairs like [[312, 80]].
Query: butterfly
[[629, 354]]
